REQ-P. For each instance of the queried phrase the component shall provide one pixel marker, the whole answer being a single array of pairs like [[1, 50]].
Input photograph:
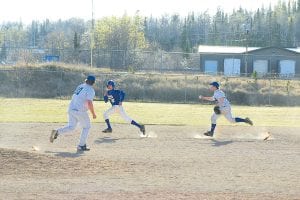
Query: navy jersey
[[114, 97]]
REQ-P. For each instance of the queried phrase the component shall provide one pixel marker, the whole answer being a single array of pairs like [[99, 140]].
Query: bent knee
[[231, 120], [126, 118], [105, 116], [87, 127], [213, 120], [71, 128]]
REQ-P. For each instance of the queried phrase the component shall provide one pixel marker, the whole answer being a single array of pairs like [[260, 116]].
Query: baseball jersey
[[218, 94], [114, 97], [82, 94]]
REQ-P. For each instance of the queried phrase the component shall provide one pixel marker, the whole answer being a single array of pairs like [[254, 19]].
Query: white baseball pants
[[227, 114], [76, 117], [119, 109]]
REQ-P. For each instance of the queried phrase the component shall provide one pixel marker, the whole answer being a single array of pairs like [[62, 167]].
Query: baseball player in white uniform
[[82, 101], [222, 108]]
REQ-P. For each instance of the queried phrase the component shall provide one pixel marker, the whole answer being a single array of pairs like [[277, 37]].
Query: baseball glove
[[217, 110]]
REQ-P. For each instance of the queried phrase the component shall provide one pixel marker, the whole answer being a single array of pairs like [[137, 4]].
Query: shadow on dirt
[[217, 143], [66, 154], [106, 140]]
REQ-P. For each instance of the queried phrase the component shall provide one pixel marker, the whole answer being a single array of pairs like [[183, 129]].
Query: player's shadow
[[106, 140], [67, 154], [217, 143]]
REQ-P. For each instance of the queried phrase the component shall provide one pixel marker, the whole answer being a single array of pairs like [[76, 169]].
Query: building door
[[232, 67], [287, 68], [211, 67], [260, 67]]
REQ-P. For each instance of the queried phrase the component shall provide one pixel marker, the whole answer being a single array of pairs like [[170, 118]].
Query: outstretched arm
[[91, 108], [206, 98]]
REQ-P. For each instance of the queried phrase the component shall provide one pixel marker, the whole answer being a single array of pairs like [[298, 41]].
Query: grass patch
[[50, 81], [55, 110]]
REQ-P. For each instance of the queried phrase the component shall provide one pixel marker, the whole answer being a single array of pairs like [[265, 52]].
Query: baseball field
[[175, 161]]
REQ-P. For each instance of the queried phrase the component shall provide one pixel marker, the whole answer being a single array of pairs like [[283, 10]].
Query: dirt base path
[[175, 162]]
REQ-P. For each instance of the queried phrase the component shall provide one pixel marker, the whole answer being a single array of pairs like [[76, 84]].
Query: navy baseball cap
[[216, 84], [90, 78]]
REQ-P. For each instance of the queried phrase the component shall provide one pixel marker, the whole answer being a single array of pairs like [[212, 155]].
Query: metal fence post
[[270, 86], [18, 83], [185, 88], [161, 61], [60, 85]]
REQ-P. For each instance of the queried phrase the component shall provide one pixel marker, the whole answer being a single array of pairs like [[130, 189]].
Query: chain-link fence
[[126, 60], [149, 87], [273, 62]]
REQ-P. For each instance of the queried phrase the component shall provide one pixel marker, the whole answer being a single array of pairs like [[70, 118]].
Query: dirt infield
[[176, 162]]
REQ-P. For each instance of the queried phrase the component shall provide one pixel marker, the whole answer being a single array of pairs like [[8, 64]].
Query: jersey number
[[78, 90]]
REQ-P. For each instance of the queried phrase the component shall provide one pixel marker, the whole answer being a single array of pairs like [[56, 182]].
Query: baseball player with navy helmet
[[116, 97], [222, 108], [82, 101]]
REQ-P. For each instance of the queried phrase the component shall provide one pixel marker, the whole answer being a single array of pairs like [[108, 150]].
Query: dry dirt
[[175, 162]]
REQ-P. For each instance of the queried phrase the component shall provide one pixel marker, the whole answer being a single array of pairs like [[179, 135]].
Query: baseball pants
[[119, 109], [76, 117], [227, 114]]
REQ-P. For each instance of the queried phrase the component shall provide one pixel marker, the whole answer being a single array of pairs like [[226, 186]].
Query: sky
[[28, 10]]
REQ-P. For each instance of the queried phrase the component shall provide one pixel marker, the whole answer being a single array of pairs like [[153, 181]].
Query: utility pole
[[136, 23], [246, 57]]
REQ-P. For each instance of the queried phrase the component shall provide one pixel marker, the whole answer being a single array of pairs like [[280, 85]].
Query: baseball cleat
[[82, 148], [248, 121], [143, 130], [53, 136], [209, 133], [108, 130]]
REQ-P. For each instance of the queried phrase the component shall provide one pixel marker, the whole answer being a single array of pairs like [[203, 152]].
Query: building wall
[[272, 55], [220, 59]]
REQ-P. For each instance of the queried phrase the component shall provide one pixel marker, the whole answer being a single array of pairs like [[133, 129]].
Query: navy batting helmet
[[110, 82], [216, 84]]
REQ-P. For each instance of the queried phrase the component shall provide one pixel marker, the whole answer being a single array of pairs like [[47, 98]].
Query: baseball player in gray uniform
[[82, 101], [222, 108]]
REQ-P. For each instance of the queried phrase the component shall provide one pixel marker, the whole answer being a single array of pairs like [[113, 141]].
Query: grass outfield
[[54, 110]]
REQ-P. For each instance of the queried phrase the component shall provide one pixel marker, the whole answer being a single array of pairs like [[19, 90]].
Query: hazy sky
[[28, 10]]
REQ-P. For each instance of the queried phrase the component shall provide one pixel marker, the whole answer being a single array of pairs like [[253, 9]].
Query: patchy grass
[[55, 110], [58, 80]]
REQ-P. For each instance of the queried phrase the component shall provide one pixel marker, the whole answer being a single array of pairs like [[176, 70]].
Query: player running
[[223, 107], [82, 100], [116, 97]]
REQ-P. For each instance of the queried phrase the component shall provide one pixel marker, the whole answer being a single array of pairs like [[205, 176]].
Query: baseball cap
[[216, 84], [90, 78]]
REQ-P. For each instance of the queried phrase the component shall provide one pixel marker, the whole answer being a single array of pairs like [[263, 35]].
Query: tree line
[[277, 25]]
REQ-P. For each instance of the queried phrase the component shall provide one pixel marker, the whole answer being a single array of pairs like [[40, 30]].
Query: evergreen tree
[[76, 42]]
